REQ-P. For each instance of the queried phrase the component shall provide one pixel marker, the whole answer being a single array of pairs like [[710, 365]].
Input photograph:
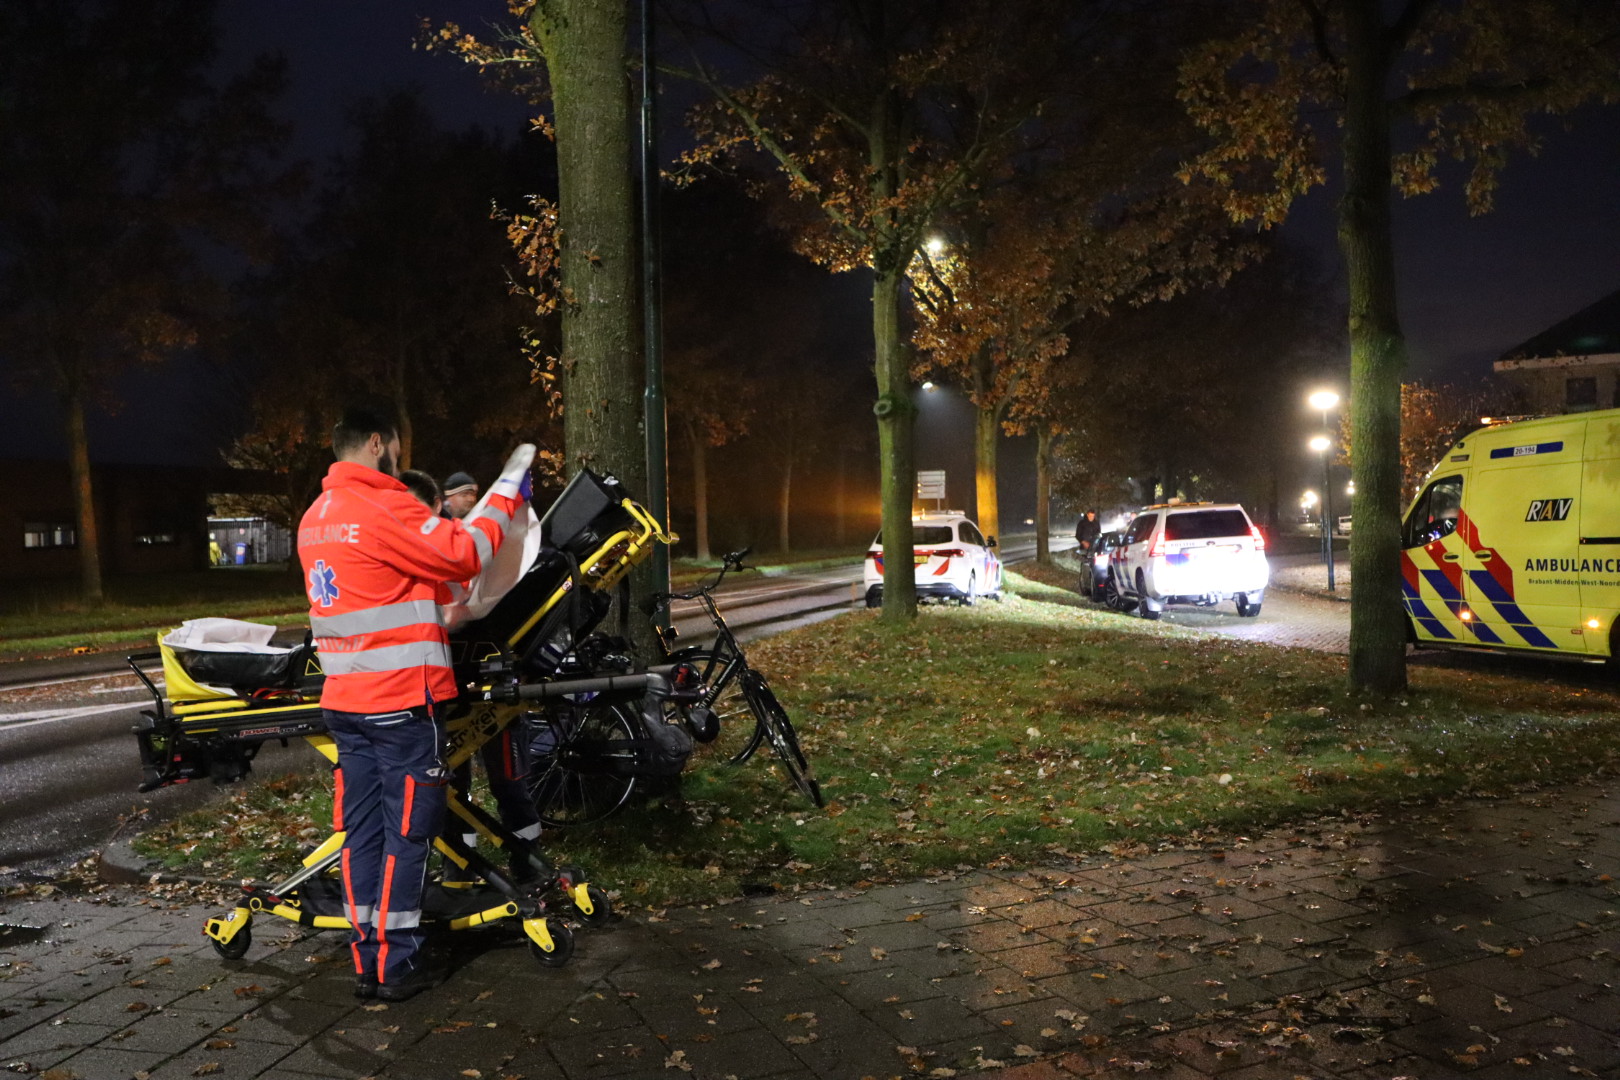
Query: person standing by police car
[[373, 557]]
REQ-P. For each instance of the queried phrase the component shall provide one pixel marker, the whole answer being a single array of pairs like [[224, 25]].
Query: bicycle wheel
[[773, 719], [583, 762], [740, 733]]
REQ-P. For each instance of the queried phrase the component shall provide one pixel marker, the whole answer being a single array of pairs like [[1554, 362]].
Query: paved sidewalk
[[1478, 939], [1287, 618]]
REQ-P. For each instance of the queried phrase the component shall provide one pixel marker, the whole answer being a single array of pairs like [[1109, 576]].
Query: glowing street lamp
[[1323, 401], [935, 246], [1322, 444]]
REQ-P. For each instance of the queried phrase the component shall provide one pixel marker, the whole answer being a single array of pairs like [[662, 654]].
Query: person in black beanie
[[460, 495]]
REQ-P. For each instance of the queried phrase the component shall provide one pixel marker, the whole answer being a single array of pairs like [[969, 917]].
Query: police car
[[1192, 553], [954, 561]]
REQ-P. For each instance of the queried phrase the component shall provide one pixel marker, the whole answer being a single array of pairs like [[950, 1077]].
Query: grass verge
[[1018, 732], [49, 616]]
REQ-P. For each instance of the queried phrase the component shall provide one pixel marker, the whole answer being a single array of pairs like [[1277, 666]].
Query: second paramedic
[[373, 557], [503, 759]]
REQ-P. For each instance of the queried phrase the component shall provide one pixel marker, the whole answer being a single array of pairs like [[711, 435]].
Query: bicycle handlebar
[[728, 563]]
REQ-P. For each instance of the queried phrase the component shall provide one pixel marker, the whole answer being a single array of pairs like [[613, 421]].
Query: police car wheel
[[1245, 609]]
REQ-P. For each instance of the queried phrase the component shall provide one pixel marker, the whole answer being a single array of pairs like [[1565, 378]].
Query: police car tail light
[[1259, 538], [1158, 547], [946, 553]]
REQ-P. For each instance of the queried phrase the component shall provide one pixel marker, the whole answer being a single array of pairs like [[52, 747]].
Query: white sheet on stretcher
[[519, 548], [223, 635]]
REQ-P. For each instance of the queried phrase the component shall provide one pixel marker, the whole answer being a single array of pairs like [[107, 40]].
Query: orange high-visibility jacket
[[373, 559]]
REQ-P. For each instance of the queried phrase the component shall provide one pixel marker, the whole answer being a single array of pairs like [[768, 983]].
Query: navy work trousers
[[505, 765], [389, 803]]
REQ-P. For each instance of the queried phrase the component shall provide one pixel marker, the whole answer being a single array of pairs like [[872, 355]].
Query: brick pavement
[[1286, 618], [1477, 938]]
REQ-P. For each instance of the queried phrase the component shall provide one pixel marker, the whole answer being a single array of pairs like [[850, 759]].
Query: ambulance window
[[1581, 392], [1434, 515]]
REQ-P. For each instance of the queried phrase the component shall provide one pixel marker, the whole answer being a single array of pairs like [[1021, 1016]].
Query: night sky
[[1471, 288]]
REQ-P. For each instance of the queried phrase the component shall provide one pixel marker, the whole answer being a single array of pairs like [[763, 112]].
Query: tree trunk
[[86, 535], [784, 493], [840, 501], [784, 503], [603, 373], [986, 425], [584, 45], [700, 488], [986, 417], [896, 420], [1043, 492], [1377, 360]]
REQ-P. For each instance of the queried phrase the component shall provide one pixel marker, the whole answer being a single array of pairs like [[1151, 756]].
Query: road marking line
[[48, 716]]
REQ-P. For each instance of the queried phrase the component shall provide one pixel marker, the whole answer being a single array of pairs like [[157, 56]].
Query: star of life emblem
[[323, 584]]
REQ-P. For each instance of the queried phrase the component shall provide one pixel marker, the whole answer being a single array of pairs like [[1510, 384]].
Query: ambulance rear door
[[1521, 536], [1599, 510]]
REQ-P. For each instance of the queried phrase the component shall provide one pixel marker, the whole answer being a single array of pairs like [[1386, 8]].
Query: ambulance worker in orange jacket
[[373, 557]]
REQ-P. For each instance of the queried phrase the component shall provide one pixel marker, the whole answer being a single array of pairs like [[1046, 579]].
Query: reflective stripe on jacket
[[374, 558]]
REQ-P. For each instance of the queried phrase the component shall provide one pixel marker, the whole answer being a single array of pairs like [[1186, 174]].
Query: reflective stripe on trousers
[[386, 759]]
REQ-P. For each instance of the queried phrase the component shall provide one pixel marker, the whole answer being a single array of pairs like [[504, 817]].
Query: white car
[[1192, 553], [954, 562]]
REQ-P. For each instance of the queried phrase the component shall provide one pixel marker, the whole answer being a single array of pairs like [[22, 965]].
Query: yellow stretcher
[[592, 536]]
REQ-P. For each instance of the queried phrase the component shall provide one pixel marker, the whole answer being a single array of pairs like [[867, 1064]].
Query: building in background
[[152, 518], [247, 541], [1573, 366]]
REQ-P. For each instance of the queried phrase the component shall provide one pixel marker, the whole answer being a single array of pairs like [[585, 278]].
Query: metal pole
[[654, 419], [1327, 502]]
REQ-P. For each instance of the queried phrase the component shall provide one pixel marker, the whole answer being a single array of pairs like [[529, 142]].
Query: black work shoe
[[365, 987], [408, 986]]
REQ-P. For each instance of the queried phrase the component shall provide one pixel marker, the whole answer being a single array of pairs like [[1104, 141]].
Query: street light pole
[[1325, 400], [1327, 507], [654, 417]]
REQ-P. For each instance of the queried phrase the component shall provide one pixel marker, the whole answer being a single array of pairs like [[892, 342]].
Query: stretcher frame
[[198, 728]]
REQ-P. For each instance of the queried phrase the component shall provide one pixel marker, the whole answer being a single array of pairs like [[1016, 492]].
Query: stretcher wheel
[[601, 908], [562, 937], [237, 947]]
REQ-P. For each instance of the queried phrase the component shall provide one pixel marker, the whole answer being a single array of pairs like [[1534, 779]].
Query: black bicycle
[[736, 692]]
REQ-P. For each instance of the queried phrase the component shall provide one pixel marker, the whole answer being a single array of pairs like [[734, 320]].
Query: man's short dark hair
[[359, 423], [423, 486]]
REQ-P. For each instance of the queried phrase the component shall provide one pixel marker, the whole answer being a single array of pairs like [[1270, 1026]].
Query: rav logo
[[1548, 509]]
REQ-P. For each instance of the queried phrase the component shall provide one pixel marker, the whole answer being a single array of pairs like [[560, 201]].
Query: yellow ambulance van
[[1514, 540]]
